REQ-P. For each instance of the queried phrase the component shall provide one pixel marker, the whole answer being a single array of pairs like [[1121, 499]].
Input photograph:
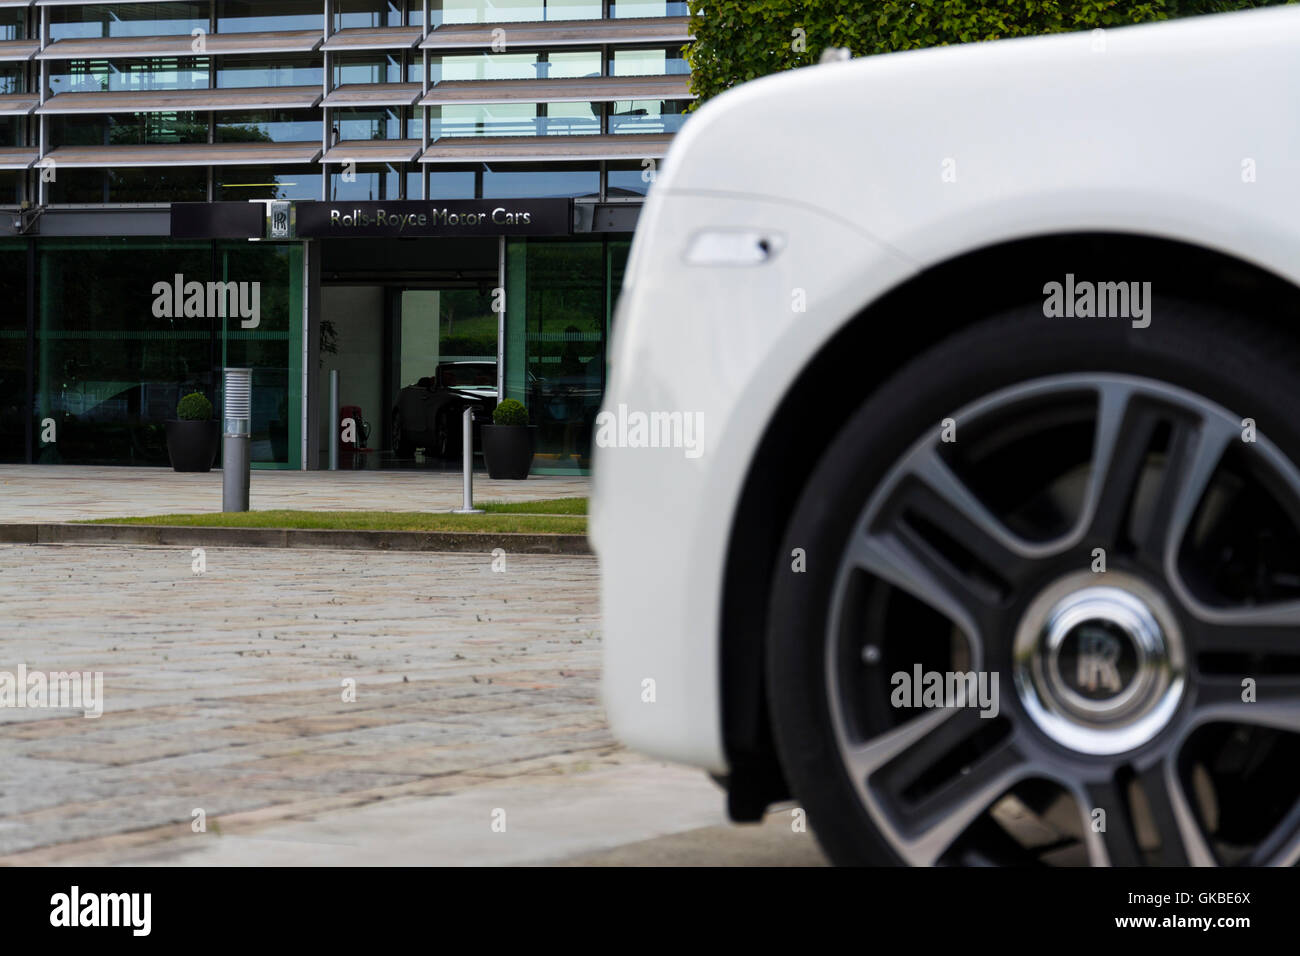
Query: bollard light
[[334, 419], [467, 464], [237, 414]]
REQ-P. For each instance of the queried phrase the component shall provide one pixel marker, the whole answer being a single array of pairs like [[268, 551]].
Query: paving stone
[[226, 692]]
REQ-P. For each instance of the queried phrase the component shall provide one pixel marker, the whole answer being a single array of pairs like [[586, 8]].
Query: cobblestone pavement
[[224, 692], [44, 493]]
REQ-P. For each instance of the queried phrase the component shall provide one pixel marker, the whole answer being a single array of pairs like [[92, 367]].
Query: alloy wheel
[[1129, 568]]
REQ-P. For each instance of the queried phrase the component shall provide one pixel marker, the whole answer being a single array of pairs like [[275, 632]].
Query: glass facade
[[82, 347], [120, 334], [13, 350], [150, 184], [91, 20], [559, 305]]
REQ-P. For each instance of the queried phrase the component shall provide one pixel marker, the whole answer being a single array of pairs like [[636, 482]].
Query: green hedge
[[740, 40]]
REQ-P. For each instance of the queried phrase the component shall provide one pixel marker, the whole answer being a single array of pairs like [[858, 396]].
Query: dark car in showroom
[[428, 413]]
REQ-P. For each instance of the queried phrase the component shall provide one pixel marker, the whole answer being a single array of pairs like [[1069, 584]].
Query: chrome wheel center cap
[[1099, 666]]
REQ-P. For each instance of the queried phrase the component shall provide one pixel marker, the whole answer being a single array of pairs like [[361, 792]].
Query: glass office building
[[373, 187]]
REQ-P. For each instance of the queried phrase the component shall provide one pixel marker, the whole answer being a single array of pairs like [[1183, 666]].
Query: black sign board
[[462, 217], [218, 220]]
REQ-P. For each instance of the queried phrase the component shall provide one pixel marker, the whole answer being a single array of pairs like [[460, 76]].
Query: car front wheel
[[1048, 605]]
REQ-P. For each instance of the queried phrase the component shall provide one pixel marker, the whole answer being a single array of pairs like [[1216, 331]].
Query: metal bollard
[[467, 456], [237, 413]]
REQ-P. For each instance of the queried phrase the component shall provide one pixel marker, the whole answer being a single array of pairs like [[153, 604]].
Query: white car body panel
[[1146, 130]]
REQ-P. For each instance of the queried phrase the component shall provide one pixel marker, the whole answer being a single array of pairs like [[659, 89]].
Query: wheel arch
[[884, 335]]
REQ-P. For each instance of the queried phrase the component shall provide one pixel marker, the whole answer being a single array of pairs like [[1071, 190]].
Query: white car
[[947, 476]]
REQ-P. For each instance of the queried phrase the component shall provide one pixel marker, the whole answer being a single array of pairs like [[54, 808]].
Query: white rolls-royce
[[947, 481]]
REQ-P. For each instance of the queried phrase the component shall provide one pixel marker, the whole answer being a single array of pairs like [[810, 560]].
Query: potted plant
[[509, 442], [192, 438]]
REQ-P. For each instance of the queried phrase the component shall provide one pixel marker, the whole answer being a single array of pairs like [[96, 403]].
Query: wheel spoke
[[1124, 434], [1180, 837], [1120, 442], [893, 560], [961, 560], [1195, 451], [1263, 645], [1219, 699], [965, 517], [1272, 629], [927, 824], [1111, 839], [1182, 841]]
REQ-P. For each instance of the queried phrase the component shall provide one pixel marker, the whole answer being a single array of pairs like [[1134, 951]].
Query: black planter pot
[[192, 446], [509, 450]]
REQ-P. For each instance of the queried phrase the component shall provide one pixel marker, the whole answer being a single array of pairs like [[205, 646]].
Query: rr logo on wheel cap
[[1099, 667]]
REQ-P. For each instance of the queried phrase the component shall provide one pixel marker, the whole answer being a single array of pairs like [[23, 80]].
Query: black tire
[[403, 447], [447, 436], [1226, 359]]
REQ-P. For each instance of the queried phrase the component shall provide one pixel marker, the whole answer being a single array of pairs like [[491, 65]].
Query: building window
[[448, 182], [111, 365], [367, 123], [498, 119], [511, 66], [13, 344], [560, 297], [518, 11], [656, 61], [128, 129], [353, 14], [622, 9], [151, 184], [124, 76], [364, 68], [13, 24], [284, 69], [240, 183], [89, 21], [12, 79], [108, 370], [647, 116], [273, 126], [367, 181], [247, 16], [629, 179], [541, 180]]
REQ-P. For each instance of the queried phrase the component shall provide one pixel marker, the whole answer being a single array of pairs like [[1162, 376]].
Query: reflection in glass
[[514, 11], [87, 21], [240, 183], [152, 184], [541, 180], [126, 75], [376, 122], [647, 116], [246, 16], [128, 129], [268, 126], [367, 181], [285, 69], [13, 349]]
